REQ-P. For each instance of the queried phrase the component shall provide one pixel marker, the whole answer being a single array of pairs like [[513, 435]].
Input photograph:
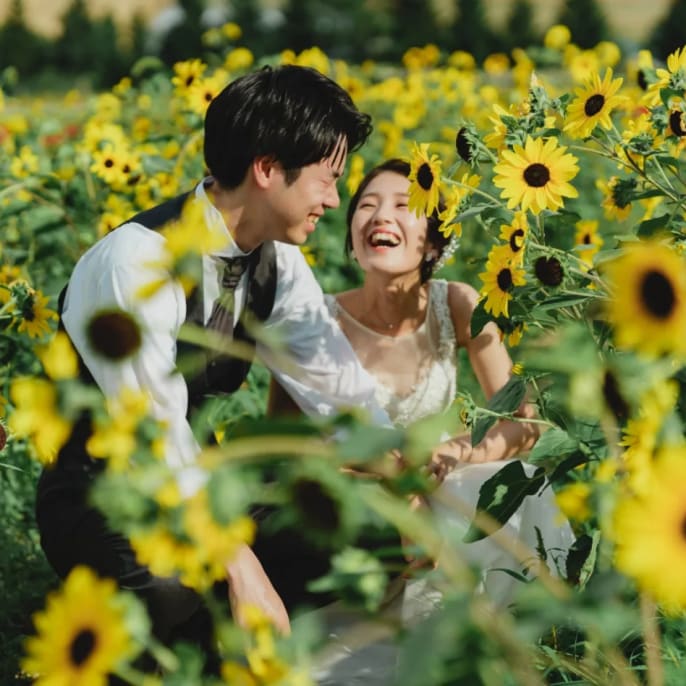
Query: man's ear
[[264, 170]]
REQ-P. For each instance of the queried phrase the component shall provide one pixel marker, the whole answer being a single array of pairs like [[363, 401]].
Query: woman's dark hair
[[294, 114], [433, 234]]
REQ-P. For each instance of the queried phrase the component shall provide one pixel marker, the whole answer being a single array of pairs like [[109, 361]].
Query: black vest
[[223, 374]]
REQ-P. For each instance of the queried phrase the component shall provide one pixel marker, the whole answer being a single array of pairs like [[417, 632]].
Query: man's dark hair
[[294, 114], [433, 234]]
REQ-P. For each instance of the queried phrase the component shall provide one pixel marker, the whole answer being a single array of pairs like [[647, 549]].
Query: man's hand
[[250, 585]]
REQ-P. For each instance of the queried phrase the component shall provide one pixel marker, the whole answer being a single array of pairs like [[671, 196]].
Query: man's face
[[297, 207]]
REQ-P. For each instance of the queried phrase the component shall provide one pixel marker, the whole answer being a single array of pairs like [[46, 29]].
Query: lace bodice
[[416, 373]]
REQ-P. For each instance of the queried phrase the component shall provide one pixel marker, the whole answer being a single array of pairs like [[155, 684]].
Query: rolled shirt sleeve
[[320, 369], [109, 276]]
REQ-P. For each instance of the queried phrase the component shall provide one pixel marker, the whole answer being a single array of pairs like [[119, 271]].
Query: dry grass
[[630, 19]]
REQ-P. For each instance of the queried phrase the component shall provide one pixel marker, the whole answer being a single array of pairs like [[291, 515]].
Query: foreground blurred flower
[[36, 417], [650, 534], [82, 634], [536, 176], [113, 334], [59, 358], [647, 306], [198, 551], [593, 105], [500, 277], [573, 499], [425, 175]]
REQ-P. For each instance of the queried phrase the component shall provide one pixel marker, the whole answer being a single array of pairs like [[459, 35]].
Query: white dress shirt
[[322, 375]]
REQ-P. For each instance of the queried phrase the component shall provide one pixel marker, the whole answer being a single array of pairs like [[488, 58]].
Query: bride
[[406, 329]]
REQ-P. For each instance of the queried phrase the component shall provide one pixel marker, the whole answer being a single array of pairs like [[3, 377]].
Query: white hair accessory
[[449, 249]]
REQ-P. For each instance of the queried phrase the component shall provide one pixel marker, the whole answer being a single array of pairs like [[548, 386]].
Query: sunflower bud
[[549, 271]]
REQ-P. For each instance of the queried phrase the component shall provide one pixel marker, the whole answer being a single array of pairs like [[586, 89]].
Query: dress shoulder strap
[[441, 310]]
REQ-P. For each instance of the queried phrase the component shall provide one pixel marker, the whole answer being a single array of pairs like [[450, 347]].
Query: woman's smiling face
[[386, 235]]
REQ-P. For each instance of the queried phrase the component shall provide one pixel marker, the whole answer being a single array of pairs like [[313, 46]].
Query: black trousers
[[74, 533]]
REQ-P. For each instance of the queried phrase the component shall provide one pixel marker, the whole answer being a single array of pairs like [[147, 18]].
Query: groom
[[276, 143]]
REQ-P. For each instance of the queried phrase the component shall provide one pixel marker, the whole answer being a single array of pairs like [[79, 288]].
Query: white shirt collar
[[215, 222]]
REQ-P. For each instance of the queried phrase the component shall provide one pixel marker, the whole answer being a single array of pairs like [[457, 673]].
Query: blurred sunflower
[[536, 176], [425, 176], [186, 74], [587, 241], [500, 277], [36, 417], [650, 535], [673, 78], [647, 306], [82, 634], [593, 105]]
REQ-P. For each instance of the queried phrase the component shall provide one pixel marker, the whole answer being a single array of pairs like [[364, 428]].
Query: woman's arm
[[492, 367]]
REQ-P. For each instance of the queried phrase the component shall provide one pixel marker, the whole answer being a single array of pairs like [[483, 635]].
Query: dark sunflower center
[[587, 240], [464, 149], [548, 271], [505, 279], [613, 397], [114, 334], [27, 311], [517, 240], [109, 162], [317, 507], [126, 169], [594, 104], [536, 175], [189, 80], [676, 123], [641, 80], [425, 177], [657, 294], [82, 646]]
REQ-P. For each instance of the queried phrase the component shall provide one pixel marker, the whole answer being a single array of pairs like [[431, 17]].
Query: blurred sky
[[631, 20]]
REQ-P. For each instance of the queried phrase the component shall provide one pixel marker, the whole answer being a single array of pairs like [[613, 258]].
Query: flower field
[[564, 187]]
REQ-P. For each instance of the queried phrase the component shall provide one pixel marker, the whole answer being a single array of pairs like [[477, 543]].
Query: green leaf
[[505, 401], [650, 226], [502, 494], [554, 442], [556, 302], [581, 559]]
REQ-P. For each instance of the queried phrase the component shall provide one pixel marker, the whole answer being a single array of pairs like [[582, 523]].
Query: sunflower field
[[562, 173]]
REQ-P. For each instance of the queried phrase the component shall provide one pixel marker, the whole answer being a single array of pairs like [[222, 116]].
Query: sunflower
[[82, 634], [617, 201], [548, 270], [649, 531], [593, 105], [647, 306], [515, 235], [425, 174], [586, 240], [58, 357], [500, 277], [536, 176], [186, 74], [34, 315], [674, 77]]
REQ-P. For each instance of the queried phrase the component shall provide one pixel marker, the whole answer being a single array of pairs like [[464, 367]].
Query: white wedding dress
[[417, 378]]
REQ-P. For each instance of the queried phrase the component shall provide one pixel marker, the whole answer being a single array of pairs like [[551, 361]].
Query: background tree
[[413, 24], [519, 30], [471, 30], [585, 20], [19, 46], [184, 41], [670, 33]]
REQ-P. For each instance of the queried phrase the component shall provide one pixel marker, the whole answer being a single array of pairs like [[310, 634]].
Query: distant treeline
[[102, 52]]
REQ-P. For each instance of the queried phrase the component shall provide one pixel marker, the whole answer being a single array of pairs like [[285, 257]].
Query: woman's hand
[[250, 585]]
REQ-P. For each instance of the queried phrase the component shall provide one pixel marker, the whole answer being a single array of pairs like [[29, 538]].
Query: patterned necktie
[[221, 317]]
